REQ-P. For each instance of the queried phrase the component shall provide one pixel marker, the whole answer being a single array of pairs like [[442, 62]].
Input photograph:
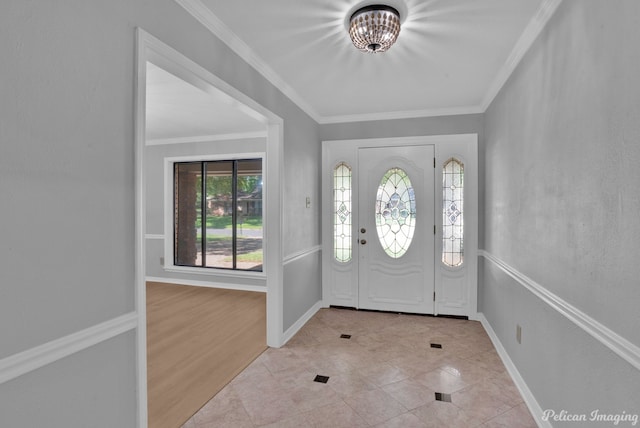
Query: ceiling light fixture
[[374, 28]]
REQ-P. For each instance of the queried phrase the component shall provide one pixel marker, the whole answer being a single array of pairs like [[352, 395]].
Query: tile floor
[[386, 375]]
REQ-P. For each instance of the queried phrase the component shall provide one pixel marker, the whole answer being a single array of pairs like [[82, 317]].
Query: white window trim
[[169, 255]]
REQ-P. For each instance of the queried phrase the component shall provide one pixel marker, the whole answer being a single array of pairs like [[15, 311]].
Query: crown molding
[[205, 16], [408, 114], [522, 46], [206, 138]]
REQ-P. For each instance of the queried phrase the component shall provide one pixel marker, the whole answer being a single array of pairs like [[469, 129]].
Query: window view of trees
[[218, 222]]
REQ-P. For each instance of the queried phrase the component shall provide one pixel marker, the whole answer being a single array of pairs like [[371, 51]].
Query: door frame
[[340, 280], [403, 284], [150, 48]]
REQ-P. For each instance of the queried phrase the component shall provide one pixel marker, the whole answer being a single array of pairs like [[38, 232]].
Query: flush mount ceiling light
[[374, 28]]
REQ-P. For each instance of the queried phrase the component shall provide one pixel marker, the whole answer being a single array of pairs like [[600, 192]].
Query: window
[[218, 214], [342, 213], [453, 213], [395, 212]]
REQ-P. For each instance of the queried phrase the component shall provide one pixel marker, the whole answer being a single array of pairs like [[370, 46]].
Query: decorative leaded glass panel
[[453, 213], [342, 213], [395, 212]]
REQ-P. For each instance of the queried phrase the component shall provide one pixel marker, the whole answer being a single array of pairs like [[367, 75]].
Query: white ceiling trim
[[207, 138], [529, 35], [409, 114], [205, 16]]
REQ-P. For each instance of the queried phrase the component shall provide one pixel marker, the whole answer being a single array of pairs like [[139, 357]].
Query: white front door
[[395, 228]]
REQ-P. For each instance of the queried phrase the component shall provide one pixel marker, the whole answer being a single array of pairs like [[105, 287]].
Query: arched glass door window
[[395, 212], [342, 213], [453, 213]]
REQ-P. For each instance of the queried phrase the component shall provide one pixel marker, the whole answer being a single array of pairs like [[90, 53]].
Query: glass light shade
[[374, 28]]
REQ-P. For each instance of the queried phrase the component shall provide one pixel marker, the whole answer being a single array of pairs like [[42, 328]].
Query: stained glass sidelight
[[395, 212], [342, 213], [453, 213]]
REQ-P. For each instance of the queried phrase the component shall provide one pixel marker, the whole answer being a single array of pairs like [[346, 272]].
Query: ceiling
[[452, 56], [177, 111]]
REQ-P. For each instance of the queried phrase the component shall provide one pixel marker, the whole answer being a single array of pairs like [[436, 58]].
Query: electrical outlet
[[519, 334], [308, 202], [161, 261]]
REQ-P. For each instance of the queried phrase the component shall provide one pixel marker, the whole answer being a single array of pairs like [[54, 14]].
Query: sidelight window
[[453, 213], [342, 213]]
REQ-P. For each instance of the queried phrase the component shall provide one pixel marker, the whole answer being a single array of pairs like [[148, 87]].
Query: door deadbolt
[[363, 230]]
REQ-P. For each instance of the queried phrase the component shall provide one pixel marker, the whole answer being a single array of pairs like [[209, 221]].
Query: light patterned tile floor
[[385, 375]]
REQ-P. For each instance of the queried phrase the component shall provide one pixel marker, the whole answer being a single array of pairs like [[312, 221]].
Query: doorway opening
[[184, 112]]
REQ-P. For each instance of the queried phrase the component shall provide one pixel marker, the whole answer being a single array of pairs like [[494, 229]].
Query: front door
[[395, 228]]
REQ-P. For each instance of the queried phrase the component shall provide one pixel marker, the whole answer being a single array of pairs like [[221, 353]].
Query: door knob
[[363, 241]]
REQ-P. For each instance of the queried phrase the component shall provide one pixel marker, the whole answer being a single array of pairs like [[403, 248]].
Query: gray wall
[[66, 169], [303, 286], [561, 198], [91, 388], [301, 225], [67, 189]]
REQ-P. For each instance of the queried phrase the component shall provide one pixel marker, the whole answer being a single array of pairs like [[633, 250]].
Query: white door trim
[[338, 278], [150, 48]]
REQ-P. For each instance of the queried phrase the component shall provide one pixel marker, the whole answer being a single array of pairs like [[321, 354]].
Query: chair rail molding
[[26, 361], [300, 254], [609, 338]]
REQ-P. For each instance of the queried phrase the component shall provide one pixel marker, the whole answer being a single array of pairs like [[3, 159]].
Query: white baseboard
[[208, 284], [526, 393], [291, 331], [24, 362]]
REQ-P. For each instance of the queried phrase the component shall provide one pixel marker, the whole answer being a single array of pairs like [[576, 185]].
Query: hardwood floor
[[198, 340]]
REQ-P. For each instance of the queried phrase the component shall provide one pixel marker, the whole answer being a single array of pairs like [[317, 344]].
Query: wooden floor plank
[[198, 339]]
